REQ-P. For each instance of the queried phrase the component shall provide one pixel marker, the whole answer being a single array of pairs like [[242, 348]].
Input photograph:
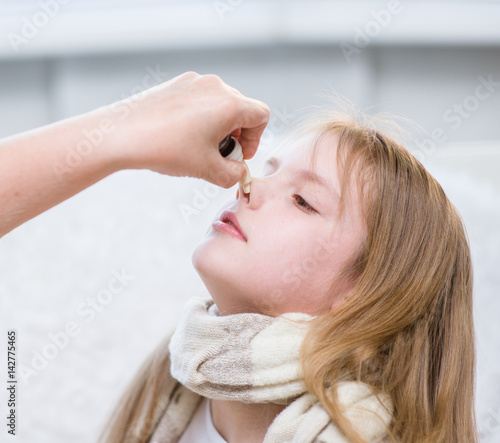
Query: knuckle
[[212, 78], [266, 110], [190, 74], [211, 81]]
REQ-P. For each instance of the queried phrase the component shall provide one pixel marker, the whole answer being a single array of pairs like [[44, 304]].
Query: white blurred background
[[437, 63]]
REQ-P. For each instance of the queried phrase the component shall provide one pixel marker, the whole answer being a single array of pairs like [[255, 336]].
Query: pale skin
[[295, 242], [174, 129], [294, 246], [242, 422]]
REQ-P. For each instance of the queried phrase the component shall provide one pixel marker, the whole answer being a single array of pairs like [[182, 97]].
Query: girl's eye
[[301, 202]]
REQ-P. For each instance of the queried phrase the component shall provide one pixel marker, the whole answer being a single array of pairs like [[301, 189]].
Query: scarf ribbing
[[254, 358], [251, 358]]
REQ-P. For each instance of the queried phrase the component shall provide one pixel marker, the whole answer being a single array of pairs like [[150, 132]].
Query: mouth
[[229, 221]]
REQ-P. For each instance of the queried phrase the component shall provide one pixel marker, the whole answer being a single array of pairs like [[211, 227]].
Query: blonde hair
[[406, 327]]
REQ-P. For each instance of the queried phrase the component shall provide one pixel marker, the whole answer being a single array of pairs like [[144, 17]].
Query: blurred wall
[[434, 86]]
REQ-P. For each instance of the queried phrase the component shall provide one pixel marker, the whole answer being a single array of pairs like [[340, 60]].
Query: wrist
[[96, 141]]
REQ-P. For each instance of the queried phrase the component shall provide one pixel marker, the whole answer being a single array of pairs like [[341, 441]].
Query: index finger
[[254, 119]]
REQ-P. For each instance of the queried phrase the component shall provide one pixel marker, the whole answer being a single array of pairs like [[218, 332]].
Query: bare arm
[[42, 167], [173, 128]]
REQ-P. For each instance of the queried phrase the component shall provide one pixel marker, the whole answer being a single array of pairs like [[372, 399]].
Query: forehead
[[309, 152], [319, 155]]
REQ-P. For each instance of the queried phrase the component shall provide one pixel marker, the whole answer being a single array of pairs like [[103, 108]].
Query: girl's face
[[295, 244]]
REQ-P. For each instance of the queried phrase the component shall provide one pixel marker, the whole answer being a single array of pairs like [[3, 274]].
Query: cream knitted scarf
[[254, 358]]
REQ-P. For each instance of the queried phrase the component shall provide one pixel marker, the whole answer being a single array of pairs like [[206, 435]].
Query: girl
[[338, 303], [339, 308]]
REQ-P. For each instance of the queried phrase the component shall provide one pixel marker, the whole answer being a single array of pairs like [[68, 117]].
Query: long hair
[[139, 408], [406, 327]]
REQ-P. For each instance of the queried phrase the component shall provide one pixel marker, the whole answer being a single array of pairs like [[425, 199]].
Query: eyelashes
[[301, 202], [298, 199]]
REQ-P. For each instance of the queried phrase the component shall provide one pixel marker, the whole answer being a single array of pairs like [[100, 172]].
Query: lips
[[230, 218]]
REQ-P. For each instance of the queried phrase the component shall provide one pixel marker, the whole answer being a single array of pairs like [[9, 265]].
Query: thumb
[[223, 172]]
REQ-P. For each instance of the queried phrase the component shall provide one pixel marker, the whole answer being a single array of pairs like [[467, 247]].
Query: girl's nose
[[240, 192], [260, 189]]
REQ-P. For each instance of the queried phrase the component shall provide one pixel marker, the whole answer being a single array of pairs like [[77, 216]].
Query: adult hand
[[175, 128]]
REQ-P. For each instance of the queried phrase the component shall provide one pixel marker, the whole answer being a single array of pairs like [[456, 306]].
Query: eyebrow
[[304, 174]]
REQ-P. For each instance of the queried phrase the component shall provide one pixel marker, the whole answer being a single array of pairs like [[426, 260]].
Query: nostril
[[243, 194]]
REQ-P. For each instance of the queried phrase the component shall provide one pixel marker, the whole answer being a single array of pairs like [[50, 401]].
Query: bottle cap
[[226, 146], [231, 149]]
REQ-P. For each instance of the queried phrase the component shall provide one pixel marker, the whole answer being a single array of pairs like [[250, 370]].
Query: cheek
[[352, 237], [293, 259]]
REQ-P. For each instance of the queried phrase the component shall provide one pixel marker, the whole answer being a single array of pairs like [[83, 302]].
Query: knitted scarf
[[254, 358]]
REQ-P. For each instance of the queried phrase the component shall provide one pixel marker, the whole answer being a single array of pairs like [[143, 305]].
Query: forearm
[[173, 128], [45, 166]]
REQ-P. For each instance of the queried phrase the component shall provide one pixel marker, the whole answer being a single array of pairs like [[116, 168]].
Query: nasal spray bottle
[[231, 149]]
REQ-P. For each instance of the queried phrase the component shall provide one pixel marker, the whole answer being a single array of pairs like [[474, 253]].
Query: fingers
[[223, 172], [255, 116], [249, 140], [198, 110]]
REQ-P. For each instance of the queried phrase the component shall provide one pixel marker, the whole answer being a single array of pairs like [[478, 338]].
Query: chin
[[211, 263], [222, 277], [198, 258]]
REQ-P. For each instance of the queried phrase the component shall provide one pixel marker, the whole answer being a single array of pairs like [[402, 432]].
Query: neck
[[243, 422]]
